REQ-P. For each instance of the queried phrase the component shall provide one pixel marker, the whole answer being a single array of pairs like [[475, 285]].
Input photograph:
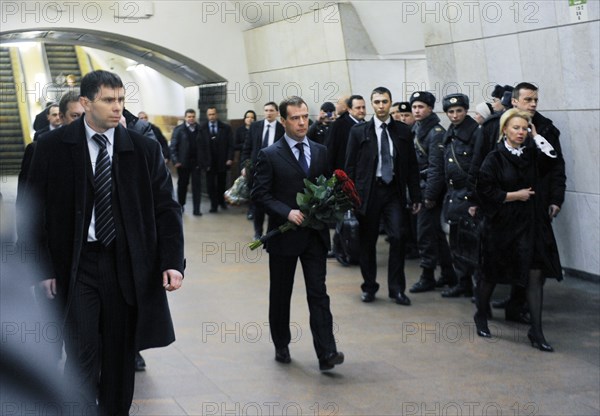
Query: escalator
[[11, 131]]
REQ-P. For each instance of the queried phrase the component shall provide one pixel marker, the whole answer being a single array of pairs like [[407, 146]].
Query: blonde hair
[[509, 115]]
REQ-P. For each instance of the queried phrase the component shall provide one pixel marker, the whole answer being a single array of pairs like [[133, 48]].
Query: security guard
[[433, 246], [458, 151]]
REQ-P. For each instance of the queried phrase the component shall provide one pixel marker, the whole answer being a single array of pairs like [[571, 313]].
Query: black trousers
[[282, 270], [384, 206], [433, 246], [216, 187], [100, 341], [185, 174]]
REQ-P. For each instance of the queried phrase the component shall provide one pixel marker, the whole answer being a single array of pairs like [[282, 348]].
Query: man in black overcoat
[[185, 157], [215, 155], [431, 240], [279, 175], [340, 131], [383, 197], [108, 261]]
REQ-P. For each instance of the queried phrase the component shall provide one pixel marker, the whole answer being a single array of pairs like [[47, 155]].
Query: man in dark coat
[[110, 242], [433, 246], [340, 131], [279, 175], [54, 121], [184, 156], [215, 153], [459, 201], [262, 134], [381, 161], [525, 98]]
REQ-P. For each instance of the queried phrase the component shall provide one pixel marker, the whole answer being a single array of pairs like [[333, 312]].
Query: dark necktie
[[265, 142], [301, 158], [105, 224], [213, 129], [387, 173]]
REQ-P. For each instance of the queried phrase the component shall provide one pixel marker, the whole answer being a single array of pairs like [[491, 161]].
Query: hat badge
[[453, 100], [416, 94]]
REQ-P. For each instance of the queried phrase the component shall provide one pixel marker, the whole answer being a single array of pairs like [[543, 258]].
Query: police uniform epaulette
[[438, 129]]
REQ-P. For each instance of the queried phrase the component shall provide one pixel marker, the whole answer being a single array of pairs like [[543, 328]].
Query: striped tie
[[105, 224]]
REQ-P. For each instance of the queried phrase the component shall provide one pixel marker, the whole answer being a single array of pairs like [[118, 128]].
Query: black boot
[[457, 291], [426, 282]]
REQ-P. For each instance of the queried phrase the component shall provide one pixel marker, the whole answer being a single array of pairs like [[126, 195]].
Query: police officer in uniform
[[458, 151], [433, 246]]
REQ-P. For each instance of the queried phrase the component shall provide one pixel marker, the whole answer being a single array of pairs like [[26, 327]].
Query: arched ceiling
[[169, 63]]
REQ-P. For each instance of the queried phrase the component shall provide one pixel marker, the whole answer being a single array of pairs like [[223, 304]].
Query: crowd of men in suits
[[409, 171], [433, 171]]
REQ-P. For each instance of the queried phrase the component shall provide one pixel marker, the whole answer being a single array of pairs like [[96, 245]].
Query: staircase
[[62, 61], [11, 132]]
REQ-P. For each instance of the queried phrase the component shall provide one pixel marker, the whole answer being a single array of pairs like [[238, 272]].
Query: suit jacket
[[278, 178], [338, 141], [224, 147], [254, 140], [362, 156], [149, 227]]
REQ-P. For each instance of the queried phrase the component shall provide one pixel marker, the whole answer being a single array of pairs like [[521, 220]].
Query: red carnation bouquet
[[322, 203]]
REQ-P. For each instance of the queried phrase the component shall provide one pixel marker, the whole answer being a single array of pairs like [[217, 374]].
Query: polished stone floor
[[420, 360]]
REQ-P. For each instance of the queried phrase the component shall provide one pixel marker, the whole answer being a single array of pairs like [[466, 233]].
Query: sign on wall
[[578, 10]]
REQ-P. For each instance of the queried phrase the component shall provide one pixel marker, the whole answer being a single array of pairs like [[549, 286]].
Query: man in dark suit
[[340, 130], [184, 155], [215, 153], [54, 121], [381, 161], [279, 175], [109, 241], [261, 134]]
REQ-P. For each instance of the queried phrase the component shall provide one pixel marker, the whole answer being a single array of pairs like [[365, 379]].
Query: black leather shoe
[[197, 213], [250, 216], [331, 360], [212, 210], [422, 286], [539, 342], [402, 299], [481, 326], [282, 355], [500, 303], [457, 291], [367, 297], [330, 254], [257, 236], [140, 363]]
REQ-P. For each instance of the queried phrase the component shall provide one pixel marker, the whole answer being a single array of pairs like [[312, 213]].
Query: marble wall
[[544, 43], [322, 61]]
